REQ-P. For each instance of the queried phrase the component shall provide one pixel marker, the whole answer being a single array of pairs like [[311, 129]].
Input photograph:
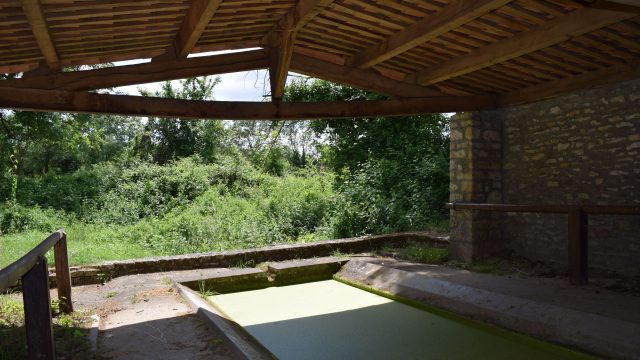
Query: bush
[[16, 218]]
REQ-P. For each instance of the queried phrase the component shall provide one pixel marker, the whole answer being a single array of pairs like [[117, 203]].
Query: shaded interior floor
[[142, 317]]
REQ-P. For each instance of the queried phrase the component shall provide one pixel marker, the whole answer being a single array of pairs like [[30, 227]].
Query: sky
[[241, 86]]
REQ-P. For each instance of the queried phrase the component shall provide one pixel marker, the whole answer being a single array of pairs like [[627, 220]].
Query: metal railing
[[32, 270], [578, 227]]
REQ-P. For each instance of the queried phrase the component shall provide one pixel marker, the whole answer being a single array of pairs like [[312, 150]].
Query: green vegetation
[[425, 254], [419, 252], [127, 188], [70, 331]]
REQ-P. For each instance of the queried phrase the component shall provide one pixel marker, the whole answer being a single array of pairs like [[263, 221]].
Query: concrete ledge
[[598, 334], [99, 273], [227, 281], [302, 271], [276, 274], [243, 345]]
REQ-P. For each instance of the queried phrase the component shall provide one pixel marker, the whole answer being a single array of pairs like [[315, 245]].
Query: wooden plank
[[63, 278], [81, 102], [550, 33], [628, 6], [37, 311], [145, 73], [38, 24], [587, 80], [455, 14], [578, 246], [194, 24], [366, 79]]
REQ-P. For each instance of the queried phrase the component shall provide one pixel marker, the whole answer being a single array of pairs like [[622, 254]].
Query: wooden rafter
[[38, 23], [455, 14], [366, 79], [193, 25], [587, 80], [282, 37], [144, 73], [548, 34], [83, 102]]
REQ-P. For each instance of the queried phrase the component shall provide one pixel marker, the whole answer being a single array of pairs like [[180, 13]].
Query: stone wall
[[476, 171], [578, 149]]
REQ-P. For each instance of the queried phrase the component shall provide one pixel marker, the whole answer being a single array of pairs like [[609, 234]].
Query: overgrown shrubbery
[[126, 188], [185, 206]]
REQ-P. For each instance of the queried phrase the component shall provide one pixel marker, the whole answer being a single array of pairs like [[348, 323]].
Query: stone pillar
[[476, 176]]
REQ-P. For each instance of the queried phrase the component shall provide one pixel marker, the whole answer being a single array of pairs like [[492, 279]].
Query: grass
[[205, 291], [272, 211], [422, 253], [70, 331]]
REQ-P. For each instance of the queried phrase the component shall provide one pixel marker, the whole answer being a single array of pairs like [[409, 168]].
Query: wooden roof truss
[[427, 55]]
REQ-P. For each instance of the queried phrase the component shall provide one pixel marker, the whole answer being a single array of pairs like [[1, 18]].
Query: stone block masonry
[[578, 149]]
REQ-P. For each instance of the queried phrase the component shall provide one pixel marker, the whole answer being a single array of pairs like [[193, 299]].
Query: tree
[[393, 172], [163, 139]]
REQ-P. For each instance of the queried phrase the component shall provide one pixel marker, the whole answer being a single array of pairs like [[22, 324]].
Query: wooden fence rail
[[33, 271], [578, 227]]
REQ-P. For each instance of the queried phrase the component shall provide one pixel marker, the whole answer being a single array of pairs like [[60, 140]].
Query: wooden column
[[63, 278], [37, 311], [578, 246]]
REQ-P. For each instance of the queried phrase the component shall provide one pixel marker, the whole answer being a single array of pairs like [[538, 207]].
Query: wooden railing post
[[63, 279], [578, 246], [37, 311]]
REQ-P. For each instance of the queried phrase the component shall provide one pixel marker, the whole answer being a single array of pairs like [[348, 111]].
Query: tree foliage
[[393, 172], [154, 175]]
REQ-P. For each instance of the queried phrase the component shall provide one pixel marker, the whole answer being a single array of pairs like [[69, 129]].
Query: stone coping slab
[[100, 273], [599, 334]]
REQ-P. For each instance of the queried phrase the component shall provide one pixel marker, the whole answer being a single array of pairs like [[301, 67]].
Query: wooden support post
[[37, 311], [63, 279], [578, 246]]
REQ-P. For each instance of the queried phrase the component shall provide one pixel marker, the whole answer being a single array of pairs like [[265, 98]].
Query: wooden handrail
[[32, 270], [551, 209], [577, 222], [10, 275]]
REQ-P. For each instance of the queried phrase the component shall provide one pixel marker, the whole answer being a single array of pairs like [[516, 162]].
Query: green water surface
[[332, 320]]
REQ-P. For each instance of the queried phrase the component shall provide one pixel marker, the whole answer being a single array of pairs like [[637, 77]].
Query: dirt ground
[[142, 317]]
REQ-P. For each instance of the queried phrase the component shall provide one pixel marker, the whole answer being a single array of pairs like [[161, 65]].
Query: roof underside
[[453, 47]]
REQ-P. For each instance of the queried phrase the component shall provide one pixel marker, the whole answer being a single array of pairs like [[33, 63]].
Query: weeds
[[70, 331], [205, 291]]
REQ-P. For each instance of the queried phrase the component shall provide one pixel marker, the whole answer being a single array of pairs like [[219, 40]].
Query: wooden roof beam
[[194, 24], [281, 39], [550, 33], [280, 60], [612, 74], [144, 73], [366, 79], [455, 14], [83, 102], [38, 23]]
